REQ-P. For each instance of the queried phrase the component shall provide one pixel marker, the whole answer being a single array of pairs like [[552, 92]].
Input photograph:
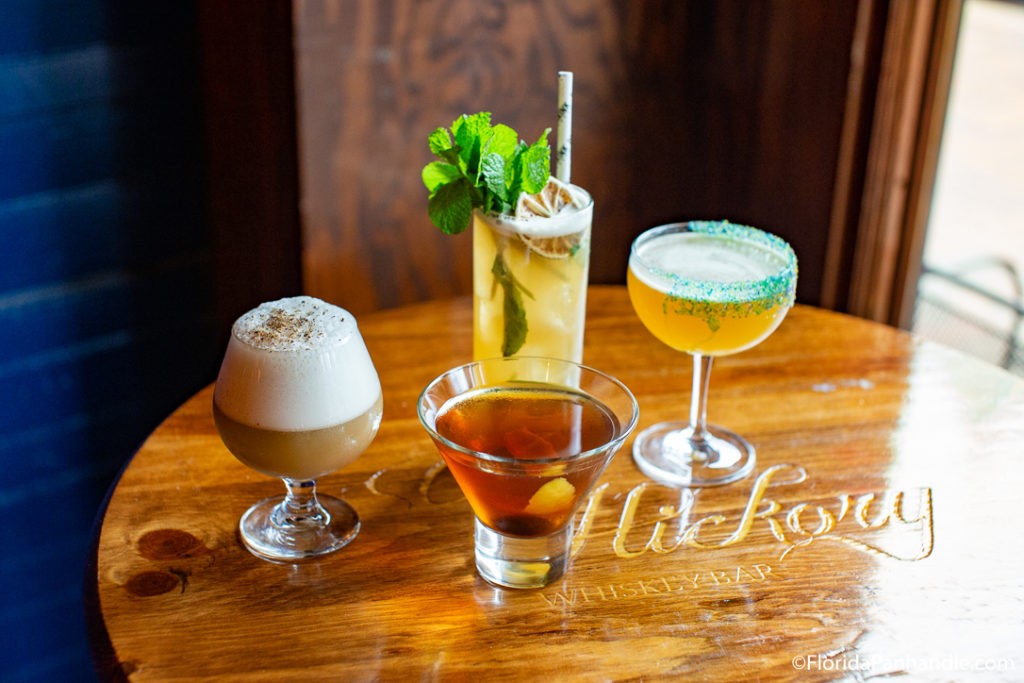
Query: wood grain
[[877, 535], [894, 164]]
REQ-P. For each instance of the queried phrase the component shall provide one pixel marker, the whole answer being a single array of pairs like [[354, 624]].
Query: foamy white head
[[296, 364], [701, 257], [574, 217]]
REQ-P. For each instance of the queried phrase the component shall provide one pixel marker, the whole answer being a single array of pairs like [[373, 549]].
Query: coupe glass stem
[[300, 506], [702, 450]]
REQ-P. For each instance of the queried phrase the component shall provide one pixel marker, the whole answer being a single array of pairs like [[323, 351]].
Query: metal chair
[[961, 308]]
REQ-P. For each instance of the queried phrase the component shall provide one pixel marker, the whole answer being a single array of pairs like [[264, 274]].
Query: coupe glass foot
[[670, 454]]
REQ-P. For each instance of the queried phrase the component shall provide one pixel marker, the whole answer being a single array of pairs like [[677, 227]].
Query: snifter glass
[[297, 397], [707, 288], [526, 438]]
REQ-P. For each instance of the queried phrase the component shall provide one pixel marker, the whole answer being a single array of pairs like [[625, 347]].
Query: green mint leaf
[[492, 169], [487, 165], [450, 206], [441, 145], [514, 172], [439, 141], [438, 173], [502, 140], [470, 132], [536, 165], [451, 156], [475, 125], [512, 306]]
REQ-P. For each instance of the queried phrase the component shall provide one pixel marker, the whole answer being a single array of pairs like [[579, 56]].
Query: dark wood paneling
[[731, 109], [861, 95], [252, 186], [739, 116], [931, 120], [902, 157]]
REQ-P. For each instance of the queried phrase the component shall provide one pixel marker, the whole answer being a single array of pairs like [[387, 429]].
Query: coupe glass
[[526, 439], [708, 289], [297, 397]]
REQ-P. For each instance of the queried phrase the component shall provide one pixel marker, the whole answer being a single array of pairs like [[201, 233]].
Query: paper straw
[[563, 165]]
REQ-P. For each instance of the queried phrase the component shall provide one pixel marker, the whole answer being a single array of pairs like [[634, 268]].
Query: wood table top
[[878, 535]]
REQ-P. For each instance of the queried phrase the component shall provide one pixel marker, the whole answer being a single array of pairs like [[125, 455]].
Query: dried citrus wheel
[[562, 246], [547, 203], [555, 196]]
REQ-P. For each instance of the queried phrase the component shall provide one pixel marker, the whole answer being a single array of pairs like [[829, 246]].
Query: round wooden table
[[878, 535]]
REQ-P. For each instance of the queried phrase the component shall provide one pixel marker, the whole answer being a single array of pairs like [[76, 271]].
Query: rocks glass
[[526, 438]]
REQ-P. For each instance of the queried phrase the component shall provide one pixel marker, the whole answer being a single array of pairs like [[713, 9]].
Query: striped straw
[[564, 155]]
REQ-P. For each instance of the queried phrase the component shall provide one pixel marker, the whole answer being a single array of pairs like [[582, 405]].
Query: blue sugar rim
[[780, 288]]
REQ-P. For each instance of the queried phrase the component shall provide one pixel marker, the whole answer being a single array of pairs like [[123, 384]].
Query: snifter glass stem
[[300, 506]]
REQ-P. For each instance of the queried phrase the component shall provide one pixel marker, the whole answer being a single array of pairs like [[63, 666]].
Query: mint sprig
[[481, 167], [514, 312]]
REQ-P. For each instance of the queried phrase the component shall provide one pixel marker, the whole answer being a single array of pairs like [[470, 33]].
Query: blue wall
[[106, 318]]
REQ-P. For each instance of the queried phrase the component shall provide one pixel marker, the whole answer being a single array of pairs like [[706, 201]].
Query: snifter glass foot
[[671, 453], [516, 562], [291, 528]]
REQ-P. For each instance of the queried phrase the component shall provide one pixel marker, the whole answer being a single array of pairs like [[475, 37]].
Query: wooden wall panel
[[252, 178], [731, 109], [913, 86]]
